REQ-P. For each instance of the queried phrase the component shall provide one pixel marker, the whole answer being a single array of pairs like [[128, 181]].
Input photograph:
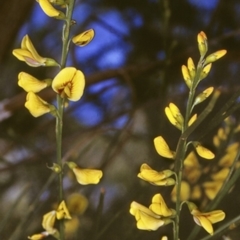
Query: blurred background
[[133, 71]]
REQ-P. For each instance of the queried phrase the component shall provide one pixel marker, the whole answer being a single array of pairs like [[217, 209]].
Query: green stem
[[60, 105]]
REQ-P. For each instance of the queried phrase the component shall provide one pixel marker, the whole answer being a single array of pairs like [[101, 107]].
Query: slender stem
[[60, 105]]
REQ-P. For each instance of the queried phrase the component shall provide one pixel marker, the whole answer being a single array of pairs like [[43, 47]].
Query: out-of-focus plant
[[69, 85], [193, 181]]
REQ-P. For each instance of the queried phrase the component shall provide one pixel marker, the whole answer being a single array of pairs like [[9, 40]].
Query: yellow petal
[[204, 152], [205, 71], [185, 192], [186, 76], [39, 236], [162, 148], [191, 68], [69, 83], [221, 175], [146, 222], [36, 105], [30, 83], [192, 119], [212, 188], [204, 222], [84, 38], [48, 8], [159, 206], [87, 176], [215, 216], [48, 222]]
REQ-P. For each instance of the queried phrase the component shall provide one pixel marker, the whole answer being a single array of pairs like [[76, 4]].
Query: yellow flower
[[174, 116], [37, 106], [77, 203], [154, 177], [49, 10], [215, 56], [27, 53], [69, 83], [212, 188], [71, 227], [159, 206], [48, 222], [146, 219], [206, 220], [84, 38], [203, 152], [162, 148], [85, 176], [39, 236], [62, 211], [30, 83], [202, 43], [192, 169], [184, 194]]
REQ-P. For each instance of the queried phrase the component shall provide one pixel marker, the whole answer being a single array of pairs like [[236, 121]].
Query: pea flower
[[212, 188], [174, 116], [69, 83], [186, 76], [62, 211], [206, 220], [154, 177], [30, 83], [146, 219], [159, 206], [84, 38], [37, 106], [49, 10], [162, 148], [27, 53], [85, 176]]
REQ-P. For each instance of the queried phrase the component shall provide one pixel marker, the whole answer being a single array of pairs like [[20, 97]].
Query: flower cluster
[[48, 222], [157, 215]]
